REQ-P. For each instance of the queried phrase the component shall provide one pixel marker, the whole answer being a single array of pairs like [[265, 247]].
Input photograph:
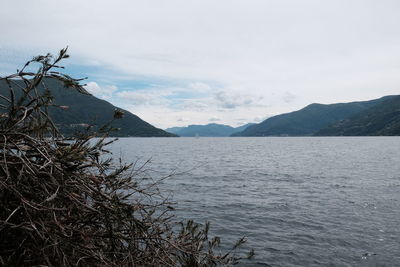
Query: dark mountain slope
[[381, 119], [87, 109], [308, 120]]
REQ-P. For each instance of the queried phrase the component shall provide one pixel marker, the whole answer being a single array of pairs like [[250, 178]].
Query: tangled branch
[[64, 203]]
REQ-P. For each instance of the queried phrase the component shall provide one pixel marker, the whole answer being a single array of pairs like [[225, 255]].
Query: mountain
[[212, 129], [381, 119], [309, 120], [243, 127], [174, 130], [86, 109]]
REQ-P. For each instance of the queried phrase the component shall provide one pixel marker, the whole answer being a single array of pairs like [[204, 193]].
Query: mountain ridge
[[85, 109], [308, 120], [381, 119], [207, 130]]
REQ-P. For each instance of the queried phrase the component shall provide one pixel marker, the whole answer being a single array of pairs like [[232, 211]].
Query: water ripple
[[299, 201]]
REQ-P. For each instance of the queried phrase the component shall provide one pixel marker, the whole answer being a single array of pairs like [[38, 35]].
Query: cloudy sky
[[180, 62]]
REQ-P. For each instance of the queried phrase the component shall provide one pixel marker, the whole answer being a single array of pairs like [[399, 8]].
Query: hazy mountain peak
[[211, 129]]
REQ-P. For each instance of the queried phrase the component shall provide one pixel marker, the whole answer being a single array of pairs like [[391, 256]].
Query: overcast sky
[[180, 62]]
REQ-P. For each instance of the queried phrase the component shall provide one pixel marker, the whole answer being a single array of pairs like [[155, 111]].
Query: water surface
[[331, 201]]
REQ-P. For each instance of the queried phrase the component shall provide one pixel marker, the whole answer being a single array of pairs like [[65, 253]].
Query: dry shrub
[[64, 204]]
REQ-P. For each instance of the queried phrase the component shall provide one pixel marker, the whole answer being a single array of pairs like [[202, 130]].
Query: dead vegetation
[[63, 203]]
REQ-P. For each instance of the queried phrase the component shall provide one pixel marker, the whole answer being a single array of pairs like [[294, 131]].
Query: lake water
[[305, 201]]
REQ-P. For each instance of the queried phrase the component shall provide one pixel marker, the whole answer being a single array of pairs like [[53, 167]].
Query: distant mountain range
[[374, 117], [86, 109], [210, 130]]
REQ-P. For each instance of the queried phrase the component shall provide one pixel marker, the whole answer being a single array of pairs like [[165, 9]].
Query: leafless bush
[[62, 203]]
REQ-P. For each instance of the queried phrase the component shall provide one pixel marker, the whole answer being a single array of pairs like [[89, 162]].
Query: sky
[[181, 62]]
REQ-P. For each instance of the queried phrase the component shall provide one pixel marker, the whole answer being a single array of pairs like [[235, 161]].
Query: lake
[[300, 201]]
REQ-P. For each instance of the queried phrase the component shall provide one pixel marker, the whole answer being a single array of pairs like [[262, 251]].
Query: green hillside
[[86, 109], [381, 119], [307, 121]]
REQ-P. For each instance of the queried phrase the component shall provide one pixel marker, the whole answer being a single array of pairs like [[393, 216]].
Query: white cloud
[[214, 119], [140, 98], [199, 87], [198, 105], [288, 97], [182, 119], [231, 100], [246, 54], [103, 92]]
